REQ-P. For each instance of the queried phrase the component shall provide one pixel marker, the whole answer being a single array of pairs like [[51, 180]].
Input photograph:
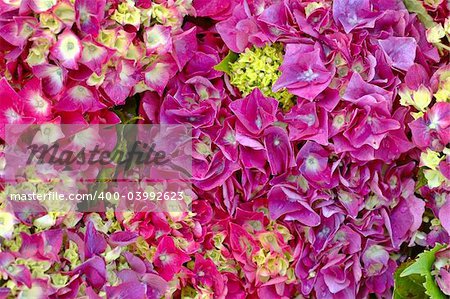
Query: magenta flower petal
[[94, 271], [177, 110], [18, 273], [303, 72], [158, 39], [218, 171], [4, 293], [156, 286], [79, 97], [308, 122], [68, 49], [51, 244], [11, 108], [35, 101], [158, 74], [443, 212], [184, 47], [242, 243], [18, 31], [285, 201], [94, 240], [255, 112], [119, 82], [314, 164], [122, 238], [216, 9], [239, 30], [136, 264], [354, 14], [443, 281], [357, 89], [89, 14], [207, 274], [434, 125], [405, 219], [400, 51], [52, 76], [94, 55], [168, 258], [226, 140], [279, 150], [126, 290]]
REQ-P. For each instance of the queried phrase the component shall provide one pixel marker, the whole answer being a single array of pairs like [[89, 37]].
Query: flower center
[[312, 163], [338, 121], [230, 138], [81, 90], [308, 75], [83, 17], [39, 103], [393, 182], [11, 115], [258, 122], [309, 119], [70, 45]]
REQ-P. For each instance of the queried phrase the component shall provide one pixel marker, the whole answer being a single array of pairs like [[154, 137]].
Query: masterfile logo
[[92, 167]]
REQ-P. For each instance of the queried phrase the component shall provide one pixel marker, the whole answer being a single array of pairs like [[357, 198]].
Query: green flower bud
[[258, 68]]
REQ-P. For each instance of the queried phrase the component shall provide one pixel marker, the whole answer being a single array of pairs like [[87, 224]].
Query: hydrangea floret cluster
[[320, 132], [259, 68]]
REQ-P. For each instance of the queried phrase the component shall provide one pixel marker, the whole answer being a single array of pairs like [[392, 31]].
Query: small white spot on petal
[[309, 119], [80, 93], [352, 19], [312, 163], [230, 138], [258, 122], [39, 104], [308, 75], [12, 116], [338, 121]]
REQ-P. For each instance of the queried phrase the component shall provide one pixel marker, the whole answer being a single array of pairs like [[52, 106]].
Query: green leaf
[[409, 287], [423, 263], [421, 180], [224, 65], [432, 289], [129, 112], [415, 6], [422, 267], [280, 124], [105, 175]]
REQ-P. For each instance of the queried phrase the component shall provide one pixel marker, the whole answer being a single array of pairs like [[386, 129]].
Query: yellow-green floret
[[258, 68]]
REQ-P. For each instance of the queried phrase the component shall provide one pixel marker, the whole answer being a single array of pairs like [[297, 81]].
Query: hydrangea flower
[[303, 72], [262, 73]]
